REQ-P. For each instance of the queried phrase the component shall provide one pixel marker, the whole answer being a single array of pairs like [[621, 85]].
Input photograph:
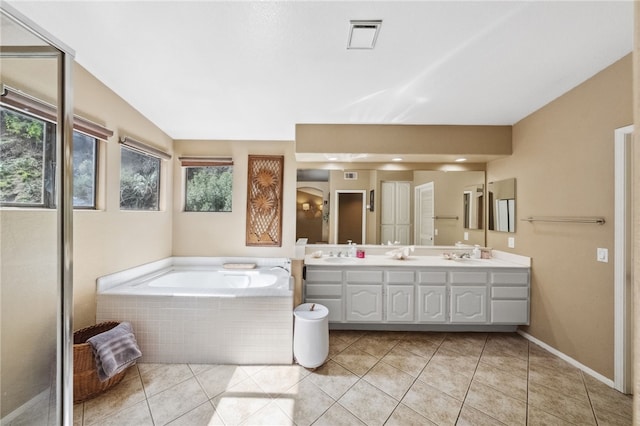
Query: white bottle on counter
[[476, 253]]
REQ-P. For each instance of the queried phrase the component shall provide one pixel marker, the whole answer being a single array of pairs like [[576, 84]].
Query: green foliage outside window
[[84, 170], [22, 147], [209, 189], [139, 181]]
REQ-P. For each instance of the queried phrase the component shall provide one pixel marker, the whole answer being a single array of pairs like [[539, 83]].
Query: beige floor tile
[[538, 356], [607, 400], [496, 404], [464, 364], [403, 360], [200, 368], [507, 363], [445, 379], [389, 379], [501, 381], [376, 345], [270, 415], [424, 348], [176, 401], [276, 379], [333, 379], [568, 383], [610, 419], [348, 336], [468, 344], [537, 417], [336, 345], [135, 415], [221, 378], [560, 405], [122, 396], [203, 415], [368, 403], [469, 416], [337, 415], [405, 416], [304, 403], [433, 336], [510, 344], [433, 404], [159, 377], [240, 402], [78, 414], [355, 360]]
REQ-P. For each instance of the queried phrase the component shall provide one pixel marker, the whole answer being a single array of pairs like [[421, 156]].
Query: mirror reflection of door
[[424, 215], [350, 219], [309, 214]]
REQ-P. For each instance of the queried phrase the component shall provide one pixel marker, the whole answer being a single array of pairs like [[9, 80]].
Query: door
[[469, 304], [424, 231], [350, 219], [432, 303], [400, 303], [395, 212], [364, 303]]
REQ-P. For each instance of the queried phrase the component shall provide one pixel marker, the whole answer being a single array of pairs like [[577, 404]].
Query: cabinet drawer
[[400, 277], [429, 277], [333, 305], [369, 277], [468, 277], [509, 292], [314, 290], [513, 278], [509, 312], [324, 276]]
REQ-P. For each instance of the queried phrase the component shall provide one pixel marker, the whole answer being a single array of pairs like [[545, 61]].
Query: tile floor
[[371, 378]]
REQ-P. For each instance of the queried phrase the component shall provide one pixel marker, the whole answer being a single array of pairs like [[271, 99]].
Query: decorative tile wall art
[[264, 200]]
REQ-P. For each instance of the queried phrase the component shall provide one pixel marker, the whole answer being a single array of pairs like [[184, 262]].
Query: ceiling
[[252, 70]]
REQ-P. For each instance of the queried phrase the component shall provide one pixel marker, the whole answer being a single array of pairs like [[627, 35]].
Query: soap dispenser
[[476, 253], [352, 250]]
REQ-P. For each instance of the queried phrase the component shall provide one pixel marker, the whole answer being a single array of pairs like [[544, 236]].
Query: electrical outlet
[[602, 255], [435, 232], [511, 242], [466, 236]]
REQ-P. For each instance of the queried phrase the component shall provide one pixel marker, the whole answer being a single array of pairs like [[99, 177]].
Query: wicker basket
[[86, 384]]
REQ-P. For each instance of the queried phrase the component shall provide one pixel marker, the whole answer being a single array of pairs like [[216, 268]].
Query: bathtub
[[204, 310]]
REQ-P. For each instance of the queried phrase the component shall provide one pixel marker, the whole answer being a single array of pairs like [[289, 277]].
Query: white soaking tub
[[210, 310]]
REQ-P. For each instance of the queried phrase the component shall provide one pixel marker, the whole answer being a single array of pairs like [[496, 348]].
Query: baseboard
[[567, 358]]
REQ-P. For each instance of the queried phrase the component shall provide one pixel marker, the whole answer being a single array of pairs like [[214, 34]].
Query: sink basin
[[339, 260]]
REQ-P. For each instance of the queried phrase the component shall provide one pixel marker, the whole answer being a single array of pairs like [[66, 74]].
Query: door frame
[[336, 210], [622, 379]]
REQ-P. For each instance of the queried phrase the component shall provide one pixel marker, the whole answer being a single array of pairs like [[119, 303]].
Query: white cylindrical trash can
[[311, 334]]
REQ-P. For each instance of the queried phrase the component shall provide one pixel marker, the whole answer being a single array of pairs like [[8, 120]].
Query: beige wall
[[563, 164], [224, 234]]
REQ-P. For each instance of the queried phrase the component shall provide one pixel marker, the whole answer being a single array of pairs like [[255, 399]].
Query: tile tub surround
[[371, 378], [248, 327]]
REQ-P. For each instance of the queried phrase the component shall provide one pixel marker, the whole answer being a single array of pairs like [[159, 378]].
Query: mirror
[[501, 205], [421, 207], [473, 202]]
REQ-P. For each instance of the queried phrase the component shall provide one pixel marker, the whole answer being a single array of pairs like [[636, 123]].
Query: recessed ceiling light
[[396, 159], [333, 158], [363, 34], [460, 160]]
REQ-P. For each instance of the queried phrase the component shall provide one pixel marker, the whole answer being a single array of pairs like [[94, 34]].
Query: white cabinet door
[[469, 304], [388, 203], [364, 303], [400, 303], [403, 203], [432, 303]]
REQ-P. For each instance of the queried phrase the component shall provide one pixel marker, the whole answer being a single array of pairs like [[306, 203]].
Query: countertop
[[416, 261]]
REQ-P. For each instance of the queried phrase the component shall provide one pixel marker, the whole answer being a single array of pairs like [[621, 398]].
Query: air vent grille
[[350, 175]]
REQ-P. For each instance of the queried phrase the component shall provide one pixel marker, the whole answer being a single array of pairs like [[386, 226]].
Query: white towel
[[115, 350]]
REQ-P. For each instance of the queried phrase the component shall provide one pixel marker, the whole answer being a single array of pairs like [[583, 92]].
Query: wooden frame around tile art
[[264, 200]]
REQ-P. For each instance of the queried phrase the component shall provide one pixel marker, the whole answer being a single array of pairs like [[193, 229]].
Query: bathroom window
[[85, 167], [139, 180], [209, 188], [27, 160]]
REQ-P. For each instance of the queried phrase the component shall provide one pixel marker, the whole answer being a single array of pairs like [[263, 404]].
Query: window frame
[[159, 179], [96, 161]]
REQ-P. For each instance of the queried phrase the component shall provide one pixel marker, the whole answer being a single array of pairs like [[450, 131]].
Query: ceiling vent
[[363, 34], [350, 175]]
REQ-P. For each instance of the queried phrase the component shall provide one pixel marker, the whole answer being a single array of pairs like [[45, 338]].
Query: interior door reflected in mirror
[[502, 205], [473, 199]]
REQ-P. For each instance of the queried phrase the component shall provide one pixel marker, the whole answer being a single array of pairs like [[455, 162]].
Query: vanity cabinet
[[481, 296]]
